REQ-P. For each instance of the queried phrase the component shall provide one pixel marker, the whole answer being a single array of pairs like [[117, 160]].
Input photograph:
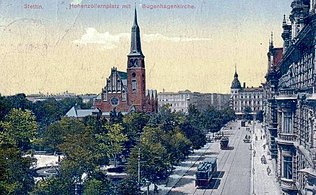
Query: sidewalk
[[262, 182], [179, 171]]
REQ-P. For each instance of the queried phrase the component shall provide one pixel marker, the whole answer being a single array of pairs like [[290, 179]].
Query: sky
[[53, 46]]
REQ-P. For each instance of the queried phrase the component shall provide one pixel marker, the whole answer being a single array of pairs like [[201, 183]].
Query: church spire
[[136, 49], [235, 75], [271, 41], [135, 17]]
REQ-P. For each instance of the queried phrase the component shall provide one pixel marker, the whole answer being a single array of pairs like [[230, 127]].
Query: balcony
[[287, 184], [286, 138]]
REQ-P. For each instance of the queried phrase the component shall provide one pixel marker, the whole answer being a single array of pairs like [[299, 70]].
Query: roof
[[80, 113], [252, 89], [211, 160], [236, 84], [277, 56], [286, 97], [123, 75]]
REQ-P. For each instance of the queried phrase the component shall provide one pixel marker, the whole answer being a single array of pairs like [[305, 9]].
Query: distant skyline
[[50, 46]]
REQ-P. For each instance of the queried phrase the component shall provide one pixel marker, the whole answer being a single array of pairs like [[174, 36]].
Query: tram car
[[224, 142], [205, 171]]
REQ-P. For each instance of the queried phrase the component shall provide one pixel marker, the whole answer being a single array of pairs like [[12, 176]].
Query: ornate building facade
[[290, 108], [126, 91], [243, 97], [180, 101]]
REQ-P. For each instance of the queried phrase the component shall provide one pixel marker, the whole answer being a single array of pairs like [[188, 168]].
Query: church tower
[[136, 74]]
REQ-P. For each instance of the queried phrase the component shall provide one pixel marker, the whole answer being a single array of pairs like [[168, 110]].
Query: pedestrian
[[268, 170], [156, 189], [264, 146]]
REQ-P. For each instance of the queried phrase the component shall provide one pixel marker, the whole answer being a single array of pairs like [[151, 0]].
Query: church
[[126, 91]]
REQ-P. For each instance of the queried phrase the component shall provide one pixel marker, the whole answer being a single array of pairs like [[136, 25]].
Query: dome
[[236, 83]]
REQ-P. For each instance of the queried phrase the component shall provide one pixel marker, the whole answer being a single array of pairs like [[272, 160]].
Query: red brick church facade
[[126, 91]]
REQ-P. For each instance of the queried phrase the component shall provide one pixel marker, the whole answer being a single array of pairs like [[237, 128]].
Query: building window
[[123, 95], [134, 85], [287, 122], [287, 167]]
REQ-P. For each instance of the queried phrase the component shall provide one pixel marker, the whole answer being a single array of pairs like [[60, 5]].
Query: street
[[234, 166]]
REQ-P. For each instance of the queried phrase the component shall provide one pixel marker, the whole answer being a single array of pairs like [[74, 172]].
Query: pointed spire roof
[[236, 83], [271, 42], [135, 17], [136, 49], [235, 75], [284, 20]]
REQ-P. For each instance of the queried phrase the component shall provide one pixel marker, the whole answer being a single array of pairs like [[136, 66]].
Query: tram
[[224, 142], [205, 171]]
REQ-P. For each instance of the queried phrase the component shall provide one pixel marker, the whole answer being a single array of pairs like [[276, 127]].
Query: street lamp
[[138, 167]]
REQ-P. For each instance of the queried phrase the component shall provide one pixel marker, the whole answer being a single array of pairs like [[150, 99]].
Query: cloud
[[110, 41], [160, 37], [107, 40], [76, 1]]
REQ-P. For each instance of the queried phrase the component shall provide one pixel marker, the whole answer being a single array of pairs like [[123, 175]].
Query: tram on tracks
[[205, 172], [224, 142]]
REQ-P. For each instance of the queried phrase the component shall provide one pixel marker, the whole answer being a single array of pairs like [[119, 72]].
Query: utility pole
[[253, 160], [138, 169]]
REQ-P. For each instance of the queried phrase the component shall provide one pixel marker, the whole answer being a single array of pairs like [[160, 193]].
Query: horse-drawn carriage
[[247, 139]]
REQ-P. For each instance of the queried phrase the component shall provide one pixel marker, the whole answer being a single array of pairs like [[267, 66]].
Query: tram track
[[223, 162], [185, 174]]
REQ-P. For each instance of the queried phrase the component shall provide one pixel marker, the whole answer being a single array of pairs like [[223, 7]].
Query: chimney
[[244, 86]]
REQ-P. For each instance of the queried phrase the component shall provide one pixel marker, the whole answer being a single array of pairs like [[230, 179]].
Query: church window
[[133, 74], [134, 85], [123, 95], [105, 96]]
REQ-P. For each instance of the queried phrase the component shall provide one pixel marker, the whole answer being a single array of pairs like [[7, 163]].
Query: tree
[[5, 107], [114, 140], [247, 113], [155, 161], [20, 126], [96, 186], [19, 101], [228, 115], [259, 115], [133, 123], [82, 154], [16, 176], [116, 117], [213, 119], [54, 185], [57, 132], [196, 136], [195, 117], [129, 186], [180, 145]]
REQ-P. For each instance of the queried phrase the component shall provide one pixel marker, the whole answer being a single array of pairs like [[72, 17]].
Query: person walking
[[268, 170]]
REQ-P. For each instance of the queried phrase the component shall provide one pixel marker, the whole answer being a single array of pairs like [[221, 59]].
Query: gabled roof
[[81, 113], [277, 56], [122, 75]]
